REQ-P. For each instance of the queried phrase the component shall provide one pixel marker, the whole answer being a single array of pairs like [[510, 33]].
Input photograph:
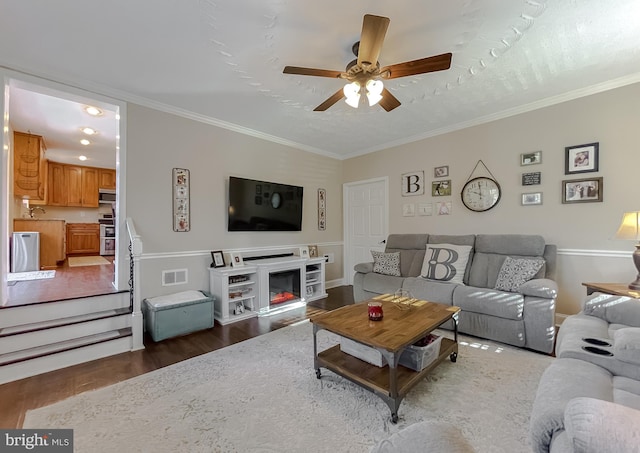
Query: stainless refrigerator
[[26, 251]]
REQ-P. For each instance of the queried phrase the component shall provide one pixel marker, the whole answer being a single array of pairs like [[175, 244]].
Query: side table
[[615, 289]]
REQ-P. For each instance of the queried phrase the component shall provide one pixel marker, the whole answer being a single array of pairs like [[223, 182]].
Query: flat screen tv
[[263, 206]]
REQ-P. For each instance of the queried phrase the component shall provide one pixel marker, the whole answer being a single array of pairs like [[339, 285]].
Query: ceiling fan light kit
[[366, 70]]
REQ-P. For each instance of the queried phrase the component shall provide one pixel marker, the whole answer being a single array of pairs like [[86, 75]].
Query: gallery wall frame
[[441, 172], [586, 190], [413, 183], [531, 198], [532, 158], [181, 209], [581, 158]]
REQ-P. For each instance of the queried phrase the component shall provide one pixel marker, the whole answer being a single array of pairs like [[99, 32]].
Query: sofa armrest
[[613, 309], [539, 287], [363, 268], [597, 426]]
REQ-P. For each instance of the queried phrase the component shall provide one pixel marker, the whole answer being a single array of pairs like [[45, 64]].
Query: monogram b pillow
[[445, 262]]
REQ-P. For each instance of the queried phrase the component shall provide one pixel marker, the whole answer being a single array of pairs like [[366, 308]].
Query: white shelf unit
[[229, 292], [314, 279]]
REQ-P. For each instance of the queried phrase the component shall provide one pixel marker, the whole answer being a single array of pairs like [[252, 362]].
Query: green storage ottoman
[[178, 314]]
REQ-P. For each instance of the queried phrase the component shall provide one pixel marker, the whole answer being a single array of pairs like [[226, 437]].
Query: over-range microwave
[[106, 195]]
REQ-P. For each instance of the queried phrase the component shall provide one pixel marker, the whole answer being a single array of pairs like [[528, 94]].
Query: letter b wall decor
[[413, 184]]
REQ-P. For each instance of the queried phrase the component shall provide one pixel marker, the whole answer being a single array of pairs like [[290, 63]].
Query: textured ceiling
[[221, 61]]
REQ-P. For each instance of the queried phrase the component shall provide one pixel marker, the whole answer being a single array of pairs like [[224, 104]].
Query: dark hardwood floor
[[19, 396]]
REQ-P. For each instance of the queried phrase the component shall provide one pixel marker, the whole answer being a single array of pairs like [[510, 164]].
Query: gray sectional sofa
[[519, 312], [588, 399]]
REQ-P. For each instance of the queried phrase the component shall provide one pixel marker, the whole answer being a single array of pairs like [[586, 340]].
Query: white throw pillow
[[386, 263], [515, 271], [445, 262]]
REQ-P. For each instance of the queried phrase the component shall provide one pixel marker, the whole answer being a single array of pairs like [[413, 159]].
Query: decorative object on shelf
[[531, 179], [581, 158], [441, 172], [239, 308], [313, 251], [630, 230], [236, 259], [218, 259], [425, 208], [304, 251], [531, 158], [322, 209], [441, 188], [481, 193], [181, 208], [444, 207], [309, 291], [408, 210], [588, 190], [413, 184], [531, 198]]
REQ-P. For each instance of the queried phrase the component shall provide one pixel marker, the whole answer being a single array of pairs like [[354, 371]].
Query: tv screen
[[263, 206]]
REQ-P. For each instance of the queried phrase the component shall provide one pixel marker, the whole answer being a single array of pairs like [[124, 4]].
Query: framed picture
[[408, 210], [413, 184], [441, 172], [581, 159], [531, 198], [531, 179], [236, 259], [531, 158], [181, 208], [444, 207], [304, 252], [425, 208], [218, 259], [588, 190], [322, 209], [313, 251], [441, 188]]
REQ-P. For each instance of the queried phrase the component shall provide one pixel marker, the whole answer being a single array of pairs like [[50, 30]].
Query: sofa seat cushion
[[386, 263], [431, 290], [381, 284], [445, 262], [489, 302]]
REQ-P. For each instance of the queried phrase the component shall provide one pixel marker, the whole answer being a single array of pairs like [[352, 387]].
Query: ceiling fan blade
[[312, 72], [374, 29], [329, 102], [421, 66], [388, 101]]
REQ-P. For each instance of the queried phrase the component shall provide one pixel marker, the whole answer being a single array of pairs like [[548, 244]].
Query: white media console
[[263, 286]]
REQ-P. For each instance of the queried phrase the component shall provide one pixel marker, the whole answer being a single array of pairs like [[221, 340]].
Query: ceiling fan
[[366, 72]]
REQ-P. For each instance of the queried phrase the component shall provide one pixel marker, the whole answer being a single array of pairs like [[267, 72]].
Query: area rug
[[77, 261], [33, 275], [262, 395]]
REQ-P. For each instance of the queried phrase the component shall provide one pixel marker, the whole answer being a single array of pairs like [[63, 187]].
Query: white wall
[[158, 142], [583, 232]]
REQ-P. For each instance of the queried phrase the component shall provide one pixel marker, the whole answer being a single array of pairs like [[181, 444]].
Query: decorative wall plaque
[[531, 179], [181, 208]]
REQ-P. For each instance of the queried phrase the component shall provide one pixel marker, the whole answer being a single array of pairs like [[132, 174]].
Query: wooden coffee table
[[398, 329]]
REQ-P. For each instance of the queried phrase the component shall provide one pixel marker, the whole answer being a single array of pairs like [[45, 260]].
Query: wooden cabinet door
[[57, 187], [83, 238], [73, 183], [90, 187], [107, 178], [29, 167]]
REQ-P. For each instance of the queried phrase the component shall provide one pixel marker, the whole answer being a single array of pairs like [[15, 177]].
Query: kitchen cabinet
[[52, 239], [73, 185], [106, 178], [83, 239], [29, 168]]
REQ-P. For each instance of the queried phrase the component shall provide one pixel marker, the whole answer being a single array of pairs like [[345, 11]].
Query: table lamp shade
[[630, 230], [630, 227]]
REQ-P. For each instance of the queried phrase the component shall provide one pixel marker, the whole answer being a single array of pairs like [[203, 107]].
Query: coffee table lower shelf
[[378, 379]]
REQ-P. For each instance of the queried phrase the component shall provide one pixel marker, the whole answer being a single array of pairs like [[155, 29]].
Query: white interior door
[[366, 221]]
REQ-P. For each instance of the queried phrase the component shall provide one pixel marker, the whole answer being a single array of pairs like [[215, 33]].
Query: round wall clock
[[481, 194]]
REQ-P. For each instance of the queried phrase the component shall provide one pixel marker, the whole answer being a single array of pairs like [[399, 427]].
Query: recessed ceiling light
[[89, 130], [85, 142], [82, 157], [93, 111]]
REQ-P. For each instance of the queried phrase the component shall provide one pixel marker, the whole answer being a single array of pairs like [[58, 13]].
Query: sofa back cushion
[[492, 249], [411, 248]]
